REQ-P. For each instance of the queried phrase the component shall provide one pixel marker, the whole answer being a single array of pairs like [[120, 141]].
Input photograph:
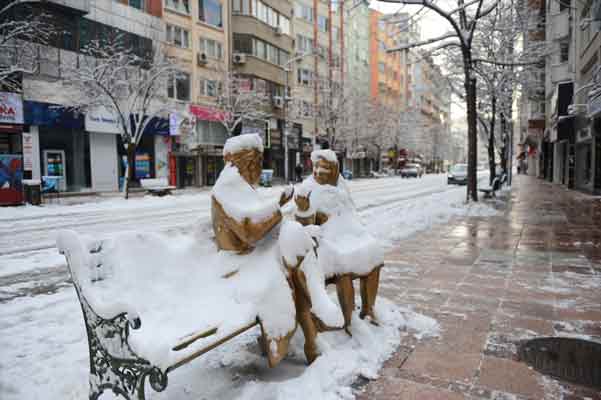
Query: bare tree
[[463, 21], [238, 100], [22, 29], [131, 87]]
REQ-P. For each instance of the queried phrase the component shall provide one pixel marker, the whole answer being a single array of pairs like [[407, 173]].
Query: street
[[41, 328]]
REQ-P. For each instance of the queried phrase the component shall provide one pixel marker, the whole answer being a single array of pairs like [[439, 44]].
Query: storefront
[[294, 149], [11, 149], [562, 136], [590, 168], [307, 148], [60, 146], [202, 161], [103, 130]]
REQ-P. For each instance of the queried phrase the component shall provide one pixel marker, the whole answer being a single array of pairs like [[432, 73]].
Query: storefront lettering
[[11, 108]]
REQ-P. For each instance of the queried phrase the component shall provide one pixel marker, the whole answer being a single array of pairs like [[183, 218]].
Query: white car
[[457, 175]]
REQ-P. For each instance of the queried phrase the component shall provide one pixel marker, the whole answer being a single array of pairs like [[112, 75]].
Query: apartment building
[[559, 88], [385, 68], [535, 140], [196, 32], [431, 103], [83, 152], [262, 47], [586, 106], [317, 69], [356, 48]]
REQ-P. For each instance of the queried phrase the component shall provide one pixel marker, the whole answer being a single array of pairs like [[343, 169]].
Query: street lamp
[[285, 106]]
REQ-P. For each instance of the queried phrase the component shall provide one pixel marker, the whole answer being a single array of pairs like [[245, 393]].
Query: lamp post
[[285, 99]]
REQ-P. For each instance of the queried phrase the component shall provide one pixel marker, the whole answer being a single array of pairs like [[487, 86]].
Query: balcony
[[560, 25], [560, 72]]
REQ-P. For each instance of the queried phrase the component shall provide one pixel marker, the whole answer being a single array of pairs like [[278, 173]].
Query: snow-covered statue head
[[325, 167], [246, 153]]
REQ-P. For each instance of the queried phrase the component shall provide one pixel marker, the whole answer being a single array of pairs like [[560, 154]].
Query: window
[[237, 6], [564, 5], [178, 36], [285, 24], [335, 34], [381, 67], [304, 12], [139, 4], [304, 44], [211, 48], [304, 77], [210, 12], [178, 87], [564, 52], [322, 23], [243, 44], [209, 87], [268, 52], [381, 45], [182, 6]]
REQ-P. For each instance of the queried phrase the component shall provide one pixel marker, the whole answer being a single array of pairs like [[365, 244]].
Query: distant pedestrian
[[299, 172]]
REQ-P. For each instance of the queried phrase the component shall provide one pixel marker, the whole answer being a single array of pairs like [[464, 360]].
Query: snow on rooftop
[[326, 154], [243, 142]]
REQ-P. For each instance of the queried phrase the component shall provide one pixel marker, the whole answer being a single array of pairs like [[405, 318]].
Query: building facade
[[80, 153]]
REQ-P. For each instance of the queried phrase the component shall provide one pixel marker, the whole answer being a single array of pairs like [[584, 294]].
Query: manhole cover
[[573, 360]]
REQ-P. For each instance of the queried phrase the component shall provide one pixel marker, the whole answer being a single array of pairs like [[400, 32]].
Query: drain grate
[[570, 359]]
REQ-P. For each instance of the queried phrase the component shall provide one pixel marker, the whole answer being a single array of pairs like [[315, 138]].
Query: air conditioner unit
[[239, 58], [574, 109], [278, 102], [201, 58], [278, 31]]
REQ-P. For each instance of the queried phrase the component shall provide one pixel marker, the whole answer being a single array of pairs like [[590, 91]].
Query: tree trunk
[[472, 130], [130, 171], [491, 142]]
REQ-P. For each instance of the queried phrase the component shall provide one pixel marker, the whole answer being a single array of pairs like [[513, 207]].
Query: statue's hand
[[286, 195]]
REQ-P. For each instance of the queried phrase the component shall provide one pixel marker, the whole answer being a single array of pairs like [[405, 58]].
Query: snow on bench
[[180, 299], [157, 186]]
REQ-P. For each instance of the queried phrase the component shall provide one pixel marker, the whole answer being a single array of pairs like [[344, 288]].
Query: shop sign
[[181, 125], [11, 108], [27, 151], [11, 176], [102, 120], [207, 113]]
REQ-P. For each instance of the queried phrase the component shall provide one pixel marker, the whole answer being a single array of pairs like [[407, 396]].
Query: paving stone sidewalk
[[534, 270]]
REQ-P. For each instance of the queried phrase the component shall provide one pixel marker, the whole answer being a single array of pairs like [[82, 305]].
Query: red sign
[[207, 113]]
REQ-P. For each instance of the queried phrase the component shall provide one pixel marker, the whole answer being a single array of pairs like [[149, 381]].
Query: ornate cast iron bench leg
[[120, 369]]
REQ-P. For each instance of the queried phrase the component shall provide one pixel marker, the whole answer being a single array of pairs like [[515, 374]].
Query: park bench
[[490, 191], [157, 186], [189, 305]]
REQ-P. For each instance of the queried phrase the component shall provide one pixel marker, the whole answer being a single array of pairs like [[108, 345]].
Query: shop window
[[182, 6], [178, 87], [210, 12]]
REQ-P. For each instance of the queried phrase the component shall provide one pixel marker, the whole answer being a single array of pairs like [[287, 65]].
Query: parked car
[[412, 171], [457, 175]]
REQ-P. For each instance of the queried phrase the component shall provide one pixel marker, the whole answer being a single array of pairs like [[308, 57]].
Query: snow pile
[[326, 154], [239, 199], [178, 287], [243, 142], [294, 241]]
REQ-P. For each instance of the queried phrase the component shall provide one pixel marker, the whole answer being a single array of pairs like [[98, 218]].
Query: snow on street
[[41, 327]]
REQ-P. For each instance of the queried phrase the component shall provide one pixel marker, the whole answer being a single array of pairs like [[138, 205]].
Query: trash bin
[[33, 191], [266, 177]]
